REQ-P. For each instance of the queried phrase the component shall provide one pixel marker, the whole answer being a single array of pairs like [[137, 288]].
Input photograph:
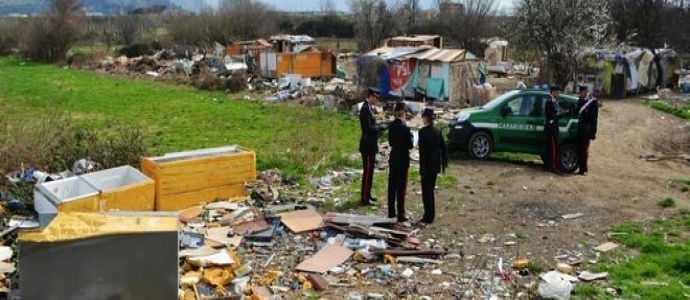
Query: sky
[[341, 5]]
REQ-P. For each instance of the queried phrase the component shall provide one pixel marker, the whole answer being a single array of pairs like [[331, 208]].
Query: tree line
[[554, 32]]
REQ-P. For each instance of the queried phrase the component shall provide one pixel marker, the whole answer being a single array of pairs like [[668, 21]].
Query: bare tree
[[128, 28], [50, 37], [467, 22], [559, 30], [327, 7], [374, 22]]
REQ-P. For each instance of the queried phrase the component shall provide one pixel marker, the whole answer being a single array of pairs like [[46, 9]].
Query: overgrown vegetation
[[659, 266], [681, 111], [294, 139]]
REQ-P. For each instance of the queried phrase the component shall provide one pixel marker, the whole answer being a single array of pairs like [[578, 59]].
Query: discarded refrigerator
[[72, 194], [100, 256], [186, 179], [123, 188]]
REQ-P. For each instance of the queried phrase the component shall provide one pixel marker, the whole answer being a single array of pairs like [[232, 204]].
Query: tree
[[652, 23], [128, 28], [50, 37], [560, 30], [374, 22], [467, 22]]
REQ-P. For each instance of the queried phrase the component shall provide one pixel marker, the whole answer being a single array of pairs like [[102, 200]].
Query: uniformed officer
[[433, 159], [553, 112], [368, 142], [400, 140], [587, 115]]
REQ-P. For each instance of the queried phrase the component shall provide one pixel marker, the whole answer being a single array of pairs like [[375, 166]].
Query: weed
[[667, 203], [588, 291], [446, 181], [536, 267]]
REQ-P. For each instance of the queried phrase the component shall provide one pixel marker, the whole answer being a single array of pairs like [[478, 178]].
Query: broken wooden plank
[[395, 252], [417, 260], [339, 218], [257, 225], [318, 282]]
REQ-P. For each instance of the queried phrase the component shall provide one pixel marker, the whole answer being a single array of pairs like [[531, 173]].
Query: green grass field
[[290, 137]]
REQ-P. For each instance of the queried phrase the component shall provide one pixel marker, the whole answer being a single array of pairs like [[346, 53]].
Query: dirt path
[[521, 203]]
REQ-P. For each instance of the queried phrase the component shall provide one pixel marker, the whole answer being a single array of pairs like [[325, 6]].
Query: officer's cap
[[554, 88], [400, 106], [428, 112], [582, 88], [374, 91]]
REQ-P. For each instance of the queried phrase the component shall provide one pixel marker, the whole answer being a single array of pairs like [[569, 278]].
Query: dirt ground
[[520, 203]]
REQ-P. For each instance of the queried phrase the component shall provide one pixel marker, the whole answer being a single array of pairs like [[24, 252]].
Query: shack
[[286, 54], [442, 74], [618, 72]]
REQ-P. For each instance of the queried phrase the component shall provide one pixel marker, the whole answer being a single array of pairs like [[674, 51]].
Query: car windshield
[[498, 100]]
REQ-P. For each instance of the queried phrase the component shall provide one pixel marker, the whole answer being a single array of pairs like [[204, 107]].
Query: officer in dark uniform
[[553, 112], [433, 159], [400, 140], [587, 115], [368, 142]]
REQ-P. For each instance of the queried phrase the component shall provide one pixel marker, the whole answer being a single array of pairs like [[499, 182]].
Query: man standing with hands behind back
[[400, 139], [433, 159], [368, 142]]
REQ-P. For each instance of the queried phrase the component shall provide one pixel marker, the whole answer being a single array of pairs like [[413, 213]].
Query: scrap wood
[[399, 252], [299, 221], [328, 257], [249, 227], [339, 218], [417, 260]]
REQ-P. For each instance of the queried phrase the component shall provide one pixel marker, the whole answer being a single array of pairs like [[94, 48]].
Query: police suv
[[514, 122]]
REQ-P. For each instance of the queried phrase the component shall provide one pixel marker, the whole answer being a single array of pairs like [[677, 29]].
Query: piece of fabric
[[645, 62], [435, 88]]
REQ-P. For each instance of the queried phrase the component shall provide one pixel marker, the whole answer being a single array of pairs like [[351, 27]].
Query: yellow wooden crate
[[185, 179]]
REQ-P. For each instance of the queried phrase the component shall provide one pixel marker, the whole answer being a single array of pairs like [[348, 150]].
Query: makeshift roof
[[293, 38], [443, 55], [415, 38], [261, 42], [395, 52]]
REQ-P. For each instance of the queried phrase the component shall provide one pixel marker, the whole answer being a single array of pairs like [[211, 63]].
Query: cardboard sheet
[[330, 256], [256, 225], [220, 235], [302, 220]]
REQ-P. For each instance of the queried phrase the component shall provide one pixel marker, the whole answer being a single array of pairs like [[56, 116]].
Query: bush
[[53, 144], [667, 203], [49, 38], [10, 30]]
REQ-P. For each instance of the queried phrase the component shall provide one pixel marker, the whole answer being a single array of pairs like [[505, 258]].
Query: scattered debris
[[554, 286], [572, 216], [606, 247], [589, 276]]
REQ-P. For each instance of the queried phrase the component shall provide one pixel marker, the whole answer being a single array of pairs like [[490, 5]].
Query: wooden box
[[186, 179]]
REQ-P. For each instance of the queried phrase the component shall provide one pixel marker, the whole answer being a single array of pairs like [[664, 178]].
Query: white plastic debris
[[555, 286], [407, 273]]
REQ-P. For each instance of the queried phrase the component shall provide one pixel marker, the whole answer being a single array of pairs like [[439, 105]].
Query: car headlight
[[462, 117]]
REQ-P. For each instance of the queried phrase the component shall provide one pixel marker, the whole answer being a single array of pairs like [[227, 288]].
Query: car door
[[567, 124], [521, 123]]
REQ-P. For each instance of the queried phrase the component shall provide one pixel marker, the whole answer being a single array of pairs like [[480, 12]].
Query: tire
[[567, 158], [480, 146]]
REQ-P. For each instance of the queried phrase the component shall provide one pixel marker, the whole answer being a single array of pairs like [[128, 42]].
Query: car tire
[[567, 158], [480, 146]]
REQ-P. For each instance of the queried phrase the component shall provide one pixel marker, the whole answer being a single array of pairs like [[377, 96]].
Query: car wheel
[[567, 158], [480, 145]]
